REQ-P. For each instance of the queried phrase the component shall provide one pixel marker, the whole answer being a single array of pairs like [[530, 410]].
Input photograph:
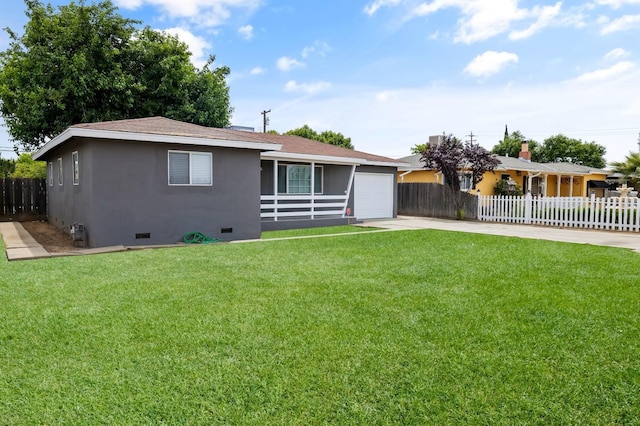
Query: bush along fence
[[615, 213], [23, 199], [435, 200]]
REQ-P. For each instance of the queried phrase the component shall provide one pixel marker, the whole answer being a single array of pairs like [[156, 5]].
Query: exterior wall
[[489, 180], [68, 203], [124, 191], [418, 176]]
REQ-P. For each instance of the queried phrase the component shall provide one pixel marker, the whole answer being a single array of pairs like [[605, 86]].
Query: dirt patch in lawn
[[51, 238]]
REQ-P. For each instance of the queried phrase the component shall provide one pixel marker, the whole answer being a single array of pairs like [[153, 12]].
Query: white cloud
[[257, 71], [307, 88], [373, 6], [198, 46], [320, 48], [209, 13], [246, 31], [616, 54], [489, 63], [545, 16], [605, 73], [286, 63], [603, 111], [623, 23], [616, 4]]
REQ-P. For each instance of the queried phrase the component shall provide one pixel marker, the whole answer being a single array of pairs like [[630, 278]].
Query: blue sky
[[389, 73]]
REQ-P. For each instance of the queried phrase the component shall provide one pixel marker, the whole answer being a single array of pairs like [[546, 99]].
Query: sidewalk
[[19, 244], [629, 240]]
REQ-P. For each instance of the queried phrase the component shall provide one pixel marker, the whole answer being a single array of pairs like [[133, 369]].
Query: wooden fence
[[23, 199], [613, 213], [434, 200]]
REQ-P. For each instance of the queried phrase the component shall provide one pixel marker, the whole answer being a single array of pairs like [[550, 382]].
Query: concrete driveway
[[629, 240]]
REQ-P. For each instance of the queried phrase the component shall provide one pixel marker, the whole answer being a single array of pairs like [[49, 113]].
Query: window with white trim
[[190, 168], [60, 180], [466, 182], [296, 179], [76, 168], [50, 173]]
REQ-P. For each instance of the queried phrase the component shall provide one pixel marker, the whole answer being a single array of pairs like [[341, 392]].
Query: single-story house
[[544, 179], [151, 180]]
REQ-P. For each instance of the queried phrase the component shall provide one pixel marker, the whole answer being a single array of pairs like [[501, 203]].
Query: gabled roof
[[510, 163], [165, 130]]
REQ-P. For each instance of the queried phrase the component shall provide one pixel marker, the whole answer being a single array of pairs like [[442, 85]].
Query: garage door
[[373, 195]]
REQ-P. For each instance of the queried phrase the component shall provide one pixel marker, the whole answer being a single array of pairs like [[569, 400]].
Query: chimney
[[524, 152]]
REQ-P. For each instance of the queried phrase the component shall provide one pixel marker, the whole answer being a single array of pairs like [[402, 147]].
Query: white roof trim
[[290, 156], [150, 137]]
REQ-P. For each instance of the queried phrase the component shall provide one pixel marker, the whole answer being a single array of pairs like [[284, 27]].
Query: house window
[[60, 180], [190, 168], [76, 168], [466, 182], [296, 179], [50, 173]]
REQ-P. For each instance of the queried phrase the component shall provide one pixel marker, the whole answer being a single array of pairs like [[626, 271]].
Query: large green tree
[[560, 148], [328, 136], [511, 146], [86, 63]]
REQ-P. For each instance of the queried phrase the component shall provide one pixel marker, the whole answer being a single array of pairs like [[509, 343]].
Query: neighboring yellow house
[[545, 179]]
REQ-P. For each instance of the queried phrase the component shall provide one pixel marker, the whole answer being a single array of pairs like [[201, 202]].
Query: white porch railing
[[302, 206], [614, 213]]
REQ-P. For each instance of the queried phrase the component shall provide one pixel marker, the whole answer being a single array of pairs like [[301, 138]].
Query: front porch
[[297, 194]]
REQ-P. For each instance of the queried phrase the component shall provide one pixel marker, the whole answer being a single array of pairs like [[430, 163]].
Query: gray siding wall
[[124, 191]]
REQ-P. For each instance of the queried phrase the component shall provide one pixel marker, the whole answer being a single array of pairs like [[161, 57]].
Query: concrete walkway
[[19, 244], [629, 240]]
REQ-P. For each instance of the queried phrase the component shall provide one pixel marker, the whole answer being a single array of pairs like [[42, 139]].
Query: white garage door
[[373, 196]]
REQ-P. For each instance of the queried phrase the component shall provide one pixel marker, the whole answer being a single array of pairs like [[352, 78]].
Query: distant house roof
[[165, 130], [510, 163]]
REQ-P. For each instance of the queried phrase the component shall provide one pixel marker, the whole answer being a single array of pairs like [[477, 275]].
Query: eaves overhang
[[72, 132]]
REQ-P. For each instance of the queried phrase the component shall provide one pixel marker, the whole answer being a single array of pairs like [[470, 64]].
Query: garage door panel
[[373, 195]]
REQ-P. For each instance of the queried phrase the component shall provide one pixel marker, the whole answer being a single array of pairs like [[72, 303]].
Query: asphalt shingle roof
[[510, 163], [290, 144]]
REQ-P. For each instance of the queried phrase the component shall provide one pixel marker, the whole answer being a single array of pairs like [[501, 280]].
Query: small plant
[[507, 187]]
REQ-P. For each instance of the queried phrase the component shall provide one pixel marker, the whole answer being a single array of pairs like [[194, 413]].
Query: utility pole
[[471, 137], [265, 120]]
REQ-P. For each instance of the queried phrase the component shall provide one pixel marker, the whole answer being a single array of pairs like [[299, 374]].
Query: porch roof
[[510, 163]]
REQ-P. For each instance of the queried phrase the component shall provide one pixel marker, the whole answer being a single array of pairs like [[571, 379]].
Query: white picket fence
[[613, 213]]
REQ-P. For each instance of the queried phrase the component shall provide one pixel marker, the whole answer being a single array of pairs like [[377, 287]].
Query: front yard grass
[[306, 232], [404, 327]]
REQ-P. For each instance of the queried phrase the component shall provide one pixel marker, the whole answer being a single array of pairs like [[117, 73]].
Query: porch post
[[313, 187], [348, 191], [275, 190], [558, 185], [571, 186], [546, 179]]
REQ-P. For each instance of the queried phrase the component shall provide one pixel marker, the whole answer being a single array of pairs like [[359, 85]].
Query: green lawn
[[405, 327], [325, 230]]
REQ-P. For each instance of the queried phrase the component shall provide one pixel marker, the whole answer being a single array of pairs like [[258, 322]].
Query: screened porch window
[[190, 168], [296, 179]]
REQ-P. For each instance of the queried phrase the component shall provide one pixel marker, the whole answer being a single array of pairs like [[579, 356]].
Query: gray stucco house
[[151, 180]]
